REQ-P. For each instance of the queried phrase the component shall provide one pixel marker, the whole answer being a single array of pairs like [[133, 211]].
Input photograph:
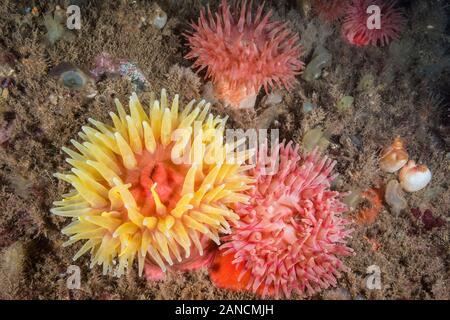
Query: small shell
[[159, 18], [394, 156], [414, 177]]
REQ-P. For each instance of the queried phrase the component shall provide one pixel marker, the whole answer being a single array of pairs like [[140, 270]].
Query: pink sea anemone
[[243, 53], [291, 235], [355, 27]]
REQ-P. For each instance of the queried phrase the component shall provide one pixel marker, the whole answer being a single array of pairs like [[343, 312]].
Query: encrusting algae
[[152, 186]]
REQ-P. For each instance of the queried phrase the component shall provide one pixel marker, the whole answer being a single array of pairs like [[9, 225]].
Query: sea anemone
[[73, 78], [243, 53], [291, 234], [152, 185], [330, 10], [355, 27]]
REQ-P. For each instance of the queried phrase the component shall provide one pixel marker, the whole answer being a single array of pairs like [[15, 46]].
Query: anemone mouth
[[158, 172]]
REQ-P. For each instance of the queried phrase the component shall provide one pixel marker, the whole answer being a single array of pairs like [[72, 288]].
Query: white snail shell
[[414, 177]]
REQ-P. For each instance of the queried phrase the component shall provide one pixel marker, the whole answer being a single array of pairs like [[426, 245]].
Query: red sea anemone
[[291, 234], [355, 28], [243, 53]]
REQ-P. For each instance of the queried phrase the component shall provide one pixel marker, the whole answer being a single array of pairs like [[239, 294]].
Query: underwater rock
[[345, 103], [315, 137], [311, 138], [7, 122], [414, 177], [208, 93], [104, 63], [432, 194], [394, 197], [73, 78], [134, 74], [323, 143], [374, 243], [159, 17], [321, 59]]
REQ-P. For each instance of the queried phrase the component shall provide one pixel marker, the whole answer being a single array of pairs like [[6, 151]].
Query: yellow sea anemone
[[153, 185]]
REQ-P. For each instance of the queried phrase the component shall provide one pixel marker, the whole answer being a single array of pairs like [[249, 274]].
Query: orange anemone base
[[225, 275]]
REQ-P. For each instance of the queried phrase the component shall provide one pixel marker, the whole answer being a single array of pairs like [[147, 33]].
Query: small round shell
[[414, 177], [159, 18]]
